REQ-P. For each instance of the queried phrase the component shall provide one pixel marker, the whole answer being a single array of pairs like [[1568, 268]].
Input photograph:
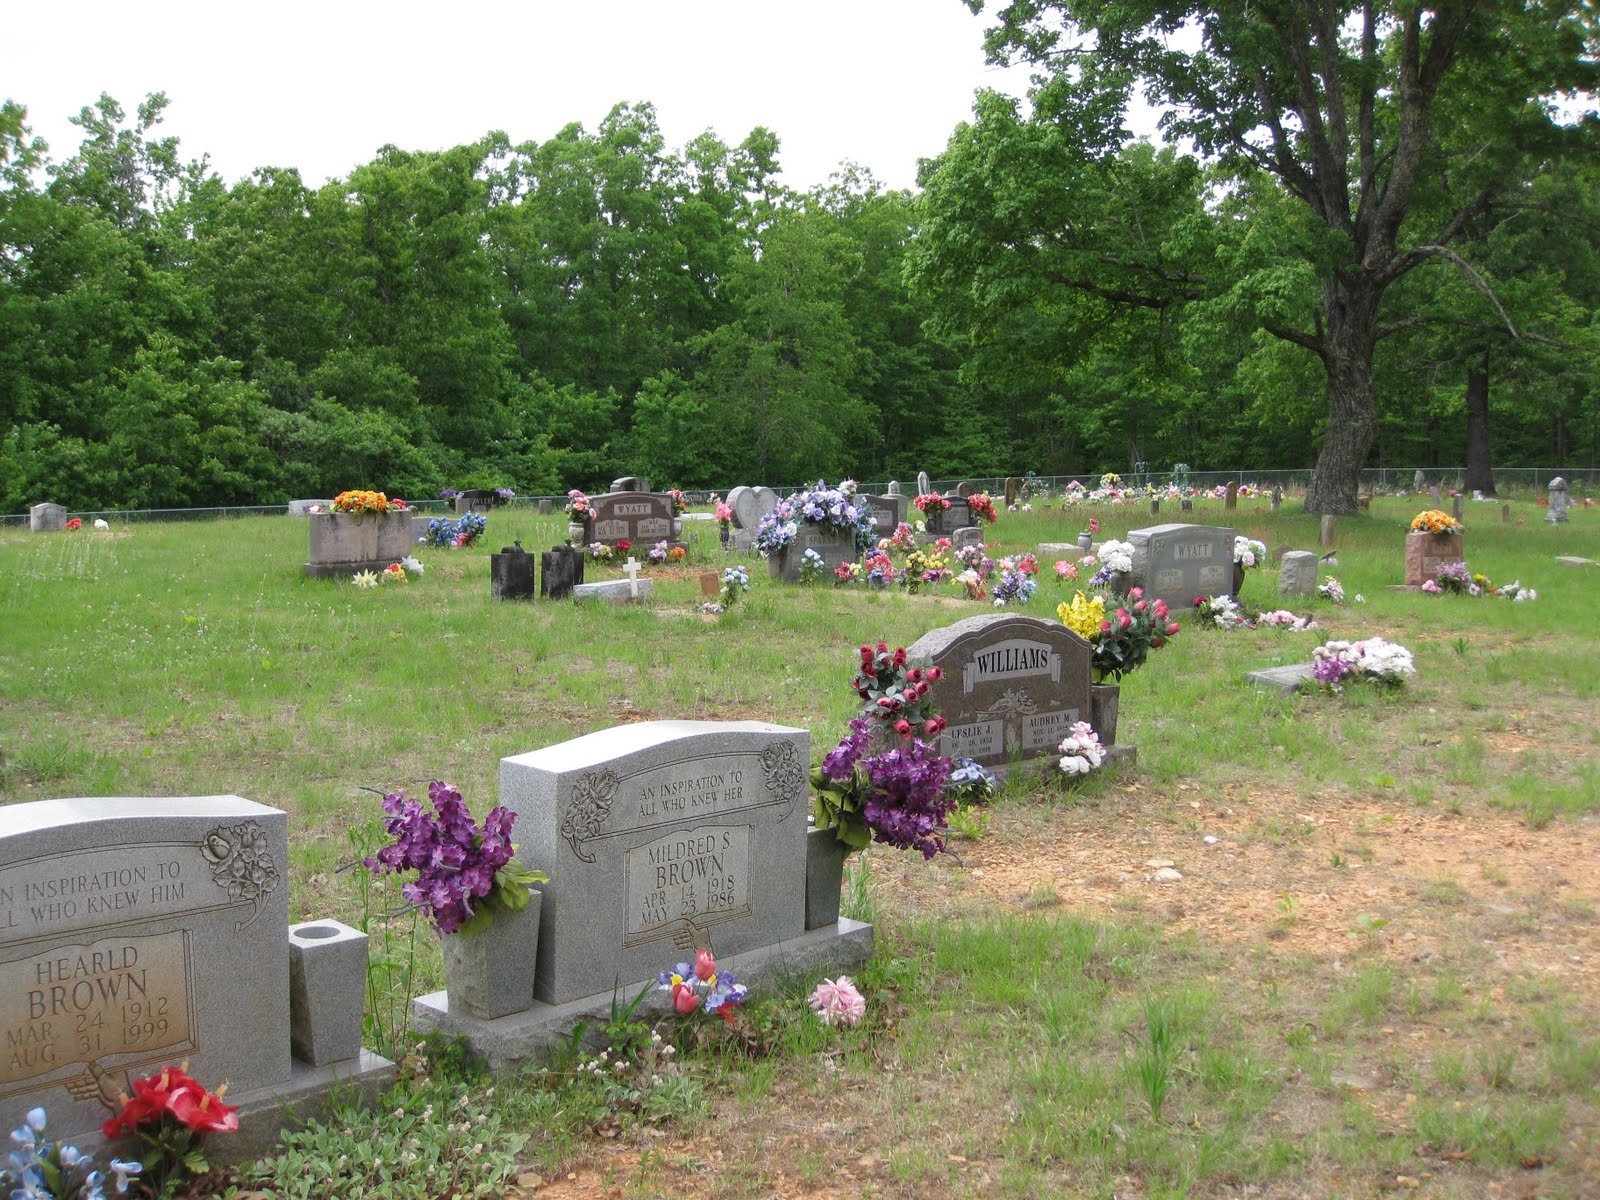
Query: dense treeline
[[552, 314]]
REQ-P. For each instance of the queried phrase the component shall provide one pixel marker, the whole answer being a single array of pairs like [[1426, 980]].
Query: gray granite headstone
[[835, 546], [1557, 515], [1230, 501], [302, 508], [1277, 497], [894, 488], [1012, 686], [1456, 506], [1186, 504], [1155, 506], [47, 518], [1419, 481], [1051, 552], [139, 933], [343, 544], [887, 511], [1179, 562], [658, 838], [512, 574], [1011, 490], [546, 506], [630, 483], [1298, 574], [742, 503], [967, 535], [964, 488], [924, 484]]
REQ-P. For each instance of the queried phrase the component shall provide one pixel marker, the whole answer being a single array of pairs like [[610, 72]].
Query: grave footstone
[[1179, 562], [1286, 679], [512, 574], [1297, 576], [1011, 490], [967, 535], [1230, 502], [1418, 481], [1012, 686], [1051, 552], [47, 518], [546, 506], [1505, 514], [1435, 496], [1325, 533], [613, 591], [139, 933], [1456, 506], [560, 570], [1557, 515], [1277, 497], [1186, 504]]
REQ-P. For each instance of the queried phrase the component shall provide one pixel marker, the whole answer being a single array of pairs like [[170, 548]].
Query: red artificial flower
[[684, 1001], [624, 544], [900, 656], [914, 674], [1156, 643], [1172, 628], [75, 523], [935, 674], [705, 966], [1094, 524], [934, 725], [1105, 626], [397, 503], [1136, 592], [151, 1097], [203, 1112], [1140, 606], [885, 703], [903, 727]]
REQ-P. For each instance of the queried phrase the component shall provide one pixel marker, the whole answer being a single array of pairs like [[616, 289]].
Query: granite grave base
[[509, 1042]]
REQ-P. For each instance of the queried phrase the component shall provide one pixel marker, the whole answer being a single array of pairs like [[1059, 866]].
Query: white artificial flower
[[364, 579], [410, 565]]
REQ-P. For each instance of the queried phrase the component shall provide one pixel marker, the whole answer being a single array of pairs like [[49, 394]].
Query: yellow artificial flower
[[1083, 615], [1434, 521]]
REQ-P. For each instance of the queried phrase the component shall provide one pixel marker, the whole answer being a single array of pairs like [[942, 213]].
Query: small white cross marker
[[632, 569]]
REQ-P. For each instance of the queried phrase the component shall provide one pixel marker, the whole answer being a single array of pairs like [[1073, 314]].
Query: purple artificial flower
[[840, 762], [908, 803]]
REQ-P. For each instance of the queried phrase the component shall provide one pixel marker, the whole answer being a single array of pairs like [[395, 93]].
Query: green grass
[[1041, 1053]]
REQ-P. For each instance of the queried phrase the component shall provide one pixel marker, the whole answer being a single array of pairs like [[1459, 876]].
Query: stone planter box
[[1427, 552], [345, 543]]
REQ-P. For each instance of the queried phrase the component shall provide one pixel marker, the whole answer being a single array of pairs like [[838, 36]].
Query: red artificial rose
[[624, 544], [903, 727], [900, 657], [935, 674], [1140, 606], [1105, 626], [883, 647], [1172, 628], [1156, 643], [1136, 593], [935, 725]]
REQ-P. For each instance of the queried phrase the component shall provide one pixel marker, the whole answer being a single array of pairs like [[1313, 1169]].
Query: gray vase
[[1103, 700], [825, 855], [489, 973]]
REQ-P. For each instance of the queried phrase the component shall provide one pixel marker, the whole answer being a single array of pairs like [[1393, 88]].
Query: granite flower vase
[[825, 855], [1103, 700], [1238, 578], [577, 533], [489, 972]]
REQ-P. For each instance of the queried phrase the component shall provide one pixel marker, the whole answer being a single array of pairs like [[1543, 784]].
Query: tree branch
[[1316, 345]]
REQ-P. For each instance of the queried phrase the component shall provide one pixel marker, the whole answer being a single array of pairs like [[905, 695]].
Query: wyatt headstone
[[641, 518], [1179, 562]]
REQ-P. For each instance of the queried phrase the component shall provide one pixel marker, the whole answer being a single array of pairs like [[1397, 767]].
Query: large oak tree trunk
[[1350, 307], [1480, 474]]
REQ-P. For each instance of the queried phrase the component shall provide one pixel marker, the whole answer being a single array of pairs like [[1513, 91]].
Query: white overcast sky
[[321, 86]]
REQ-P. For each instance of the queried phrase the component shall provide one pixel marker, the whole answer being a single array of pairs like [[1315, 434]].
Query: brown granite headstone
[[1427, 552]]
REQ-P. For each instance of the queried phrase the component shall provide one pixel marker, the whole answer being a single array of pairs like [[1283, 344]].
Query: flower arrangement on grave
[[679, 504], [393, 573], [1332, 589], [365, 579], [926, 564], [812, 564], [972, 583], [1121, 629], [504, 495], [878, 569], [1282, 618], [1115, 558], [360, 502], [735, 582], [931, 504], [838, 1002], [457, 533], [74, 523], [982, 506], [903, 538], [1028, 564], [598, 551], [846, 572], [700, 986], [975, 560], [1110, 480], [724, 513], [171, 1112], [658, 552], [1454, 577], [1333, 664], [624, 546], [1219, 612], [465, 874], [677, 554], [1081, 751], [1248, 552], [38, 1167], [832, 508], [448, 494], [898, 797], [1094, 526], [411, 565], [970, 782], [1434, 521], [1013, 587], [578, 507], [1067, 572]]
